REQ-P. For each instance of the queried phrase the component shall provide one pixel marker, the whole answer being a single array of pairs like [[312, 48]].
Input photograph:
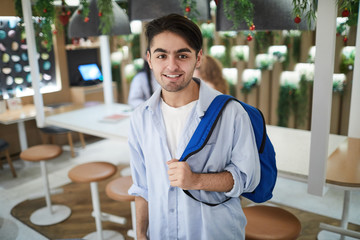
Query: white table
[[292, 148], [19, 116], [89, 120]]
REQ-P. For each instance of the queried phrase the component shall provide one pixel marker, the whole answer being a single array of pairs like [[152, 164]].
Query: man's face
[[173, 61]]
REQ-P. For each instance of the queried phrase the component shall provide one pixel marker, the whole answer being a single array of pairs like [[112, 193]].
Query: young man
[[160, 130]]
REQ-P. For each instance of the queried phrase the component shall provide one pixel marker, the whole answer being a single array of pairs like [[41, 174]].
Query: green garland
[[301, 102], [263, 40], [294, 100], [353, 7], [286, 97], [45, 10], [43, 27], [294, 49], [239, 11], [190, 10], [307, 8], [106, 15]]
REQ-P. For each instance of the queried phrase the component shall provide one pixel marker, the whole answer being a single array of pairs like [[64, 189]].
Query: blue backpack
[[263, 191]]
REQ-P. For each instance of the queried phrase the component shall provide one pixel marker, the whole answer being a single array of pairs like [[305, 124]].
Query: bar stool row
[[92, 173], [264, 222]]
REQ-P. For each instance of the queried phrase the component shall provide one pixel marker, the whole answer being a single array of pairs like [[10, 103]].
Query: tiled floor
[[28, 184]]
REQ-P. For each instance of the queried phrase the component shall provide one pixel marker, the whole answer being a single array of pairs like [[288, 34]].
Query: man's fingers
[[172, 161]]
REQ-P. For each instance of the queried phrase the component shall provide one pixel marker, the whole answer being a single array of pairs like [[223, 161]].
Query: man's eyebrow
[[181, 50], [160, 50]]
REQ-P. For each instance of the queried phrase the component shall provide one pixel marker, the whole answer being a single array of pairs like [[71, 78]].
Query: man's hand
[[180, 175]]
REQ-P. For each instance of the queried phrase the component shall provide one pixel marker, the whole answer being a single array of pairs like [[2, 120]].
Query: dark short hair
[[177, 24]]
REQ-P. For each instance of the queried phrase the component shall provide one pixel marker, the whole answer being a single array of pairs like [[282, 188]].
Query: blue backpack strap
[[206, 126], [203, 133]]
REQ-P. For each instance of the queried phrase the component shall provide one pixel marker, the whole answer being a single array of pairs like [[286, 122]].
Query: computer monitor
[[90, 72]]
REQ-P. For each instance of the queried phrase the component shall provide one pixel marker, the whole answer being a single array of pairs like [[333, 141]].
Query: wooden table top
[[27, 112], [343, 165]]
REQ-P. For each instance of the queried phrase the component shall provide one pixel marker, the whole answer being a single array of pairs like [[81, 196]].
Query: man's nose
[[172, 63]]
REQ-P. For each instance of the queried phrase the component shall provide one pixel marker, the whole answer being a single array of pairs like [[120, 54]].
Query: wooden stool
[[117, 190], [53, 130], [270, 223], [4, 145], [51, 214], [92, 173]]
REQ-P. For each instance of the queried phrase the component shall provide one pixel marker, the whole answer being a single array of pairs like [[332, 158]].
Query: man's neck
[[183, 97]]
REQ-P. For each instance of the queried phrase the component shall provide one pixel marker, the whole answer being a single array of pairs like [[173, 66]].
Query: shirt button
[[172, 210], [172, 189]]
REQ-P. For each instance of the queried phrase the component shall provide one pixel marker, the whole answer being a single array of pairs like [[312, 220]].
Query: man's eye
[[182, 56], [161, 56]]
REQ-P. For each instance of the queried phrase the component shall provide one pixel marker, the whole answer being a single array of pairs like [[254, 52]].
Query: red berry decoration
[[55, 31], [187, 9], [44, 10], [252, 27], [345, 13], [79, 11], [345, 39], [100, 14], [86, 19], [68, 13], [249, 38], [297, 20]]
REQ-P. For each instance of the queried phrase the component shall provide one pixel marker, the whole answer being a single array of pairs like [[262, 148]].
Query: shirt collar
[[206, 95]]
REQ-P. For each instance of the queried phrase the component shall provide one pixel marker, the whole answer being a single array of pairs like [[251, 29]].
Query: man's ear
[[198, 58], [148, 57]]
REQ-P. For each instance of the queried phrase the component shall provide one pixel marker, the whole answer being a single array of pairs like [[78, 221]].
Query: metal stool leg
[[132, 232], [100, 234], [51, 214]]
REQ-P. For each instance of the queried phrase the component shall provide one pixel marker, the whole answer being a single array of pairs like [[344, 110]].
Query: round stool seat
[[41, 152], [92, 172], [266, 222], [118, 188]]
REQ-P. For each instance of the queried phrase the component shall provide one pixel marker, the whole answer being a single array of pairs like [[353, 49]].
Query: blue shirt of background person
[[142, 86]]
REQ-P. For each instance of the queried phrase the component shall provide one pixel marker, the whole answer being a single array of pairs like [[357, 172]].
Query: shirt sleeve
[[137, 87], [137, 164], [245, 163]]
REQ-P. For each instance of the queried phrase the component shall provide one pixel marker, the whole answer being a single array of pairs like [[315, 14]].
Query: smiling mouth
[[172, 75]]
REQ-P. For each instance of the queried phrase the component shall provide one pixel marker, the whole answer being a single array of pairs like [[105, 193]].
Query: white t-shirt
[[175, 120]]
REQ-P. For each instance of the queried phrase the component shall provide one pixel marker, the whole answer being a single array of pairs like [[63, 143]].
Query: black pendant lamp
[[78, 28], [268, 15], [150, 9]]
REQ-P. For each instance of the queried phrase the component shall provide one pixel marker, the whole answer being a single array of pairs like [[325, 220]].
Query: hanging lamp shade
[[268, 15], [146, 10], [78, 28]]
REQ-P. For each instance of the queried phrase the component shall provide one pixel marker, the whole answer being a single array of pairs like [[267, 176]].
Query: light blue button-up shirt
[[231, 147]]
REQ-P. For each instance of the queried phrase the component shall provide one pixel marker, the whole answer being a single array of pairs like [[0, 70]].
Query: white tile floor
[[28, 184]]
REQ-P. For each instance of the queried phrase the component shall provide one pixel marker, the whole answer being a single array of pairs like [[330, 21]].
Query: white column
[[34, 65], [322, 95], [106, 69], [354, 119]]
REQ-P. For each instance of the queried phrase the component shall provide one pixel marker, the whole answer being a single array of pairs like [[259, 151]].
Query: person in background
[[160, 130], [210, 70], [142, 86]]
